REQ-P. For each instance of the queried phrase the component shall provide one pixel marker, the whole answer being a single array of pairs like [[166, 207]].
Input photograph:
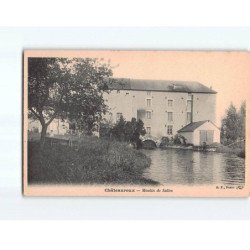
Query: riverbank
[[219, 148], [238, 150], [96, 161]]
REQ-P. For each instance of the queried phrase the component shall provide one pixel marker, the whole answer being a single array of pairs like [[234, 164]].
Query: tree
[[67, 89], [129, 131], [118, 131], [242, 120], [134, 129], [230, 129]]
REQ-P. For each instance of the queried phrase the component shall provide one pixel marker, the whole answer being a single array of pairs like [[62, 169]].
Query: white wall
[[194, 137], [204, 107], [206, 126], [55, 127], [128, 102], [188, 136], [34, 124]]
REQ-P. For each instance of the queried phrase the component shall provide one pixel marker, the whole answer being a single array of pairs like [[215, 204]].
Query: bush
[[164, 141], [238, 149], [105, 130], [177, 140]]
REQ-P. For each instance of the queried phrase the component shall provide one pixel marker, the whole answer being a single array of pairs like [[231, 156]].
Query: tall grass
[[237, 149], [97, 161]]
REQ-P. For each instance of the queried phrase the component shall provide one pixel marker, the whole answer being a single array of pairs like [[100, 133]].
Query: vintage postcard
[[136, 123]]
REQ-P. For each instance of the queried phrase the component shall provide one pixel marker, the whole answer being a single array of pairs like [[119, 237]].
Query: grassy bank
[[96, 162], [237, 149]]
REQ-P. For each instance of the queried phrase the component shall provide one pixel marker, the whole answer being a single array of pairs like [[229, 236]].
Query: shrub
[[177, 140], [164, 141]]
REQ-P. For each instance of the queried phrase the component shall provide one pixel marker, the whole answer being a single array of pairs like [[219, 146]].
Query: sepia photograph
[[125, 119], [135, 123]]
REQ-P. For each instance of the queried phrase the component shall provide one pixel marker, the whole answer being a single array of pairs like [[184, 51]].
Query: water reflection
[[177, 166]]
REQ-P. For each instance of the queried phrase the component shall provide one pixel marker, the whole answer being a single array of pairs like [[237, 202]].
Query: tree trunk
[[43, 133]]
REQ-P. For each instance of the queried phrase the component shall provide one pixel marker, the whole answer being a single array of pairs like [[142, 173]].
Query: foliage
[[242, 119], [178, 139], [233, 125], [235, 148], [129, 131], [105, 130], [67, 89], [97, 161], [164, 141], [118, 131]]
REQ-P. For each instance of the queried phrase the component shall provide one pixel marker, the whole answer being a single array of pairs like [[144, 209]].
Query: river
[[187, 167]]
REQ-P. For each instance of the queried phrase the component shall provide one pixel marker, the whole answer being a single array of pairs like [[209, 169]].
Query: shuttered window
[[170, 130], [148, 114], [170, 116], [148, 102]]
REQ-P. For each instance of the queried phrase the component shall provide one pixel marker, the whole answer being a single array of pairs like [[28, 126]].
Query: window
[[189, 115], [148, 114], [170, 103], [148, 130], [118, 116], [148, 92], [189, 104], [170, 130], [170, 116], [148, 102]]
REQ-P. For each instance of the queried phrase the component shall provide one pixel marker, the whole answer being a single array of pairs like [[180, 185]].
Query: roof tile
[[191, 126], [159, 85]]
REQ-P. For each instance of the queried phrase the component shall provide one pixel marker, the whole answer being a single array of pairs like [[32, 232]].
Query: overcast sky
[[226, 72]]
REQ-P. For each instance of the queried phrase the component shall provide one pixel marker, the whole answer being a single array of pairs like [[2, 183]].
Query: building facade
[[164, 106]]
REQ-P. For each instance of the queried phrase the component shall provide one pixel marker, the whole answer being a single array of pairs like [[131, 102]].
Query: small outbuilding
[[200, 133]]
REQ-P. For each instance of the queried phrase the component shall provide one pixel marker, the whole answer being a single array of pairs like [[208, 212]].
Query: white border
[[125, 13]]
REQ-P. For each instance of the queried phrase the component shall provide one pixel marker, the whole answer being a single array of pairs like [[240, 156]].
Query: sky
[[228, 73]]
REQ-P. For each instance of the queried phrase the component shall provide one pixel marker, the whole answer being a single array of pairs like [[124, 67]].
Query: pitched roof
[[192, 126], [159, 85]]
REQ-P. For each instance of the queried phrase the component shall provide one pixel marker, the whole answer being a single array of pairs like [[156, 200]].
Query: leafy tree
[[129, 131], [242, 119], [134, 129], [67, 89], [105, 127], [118, 131], [230, 129]]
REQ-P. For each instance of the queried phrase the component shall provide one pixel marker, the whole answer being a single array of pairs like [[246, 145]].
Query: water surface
[[187, 167]]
